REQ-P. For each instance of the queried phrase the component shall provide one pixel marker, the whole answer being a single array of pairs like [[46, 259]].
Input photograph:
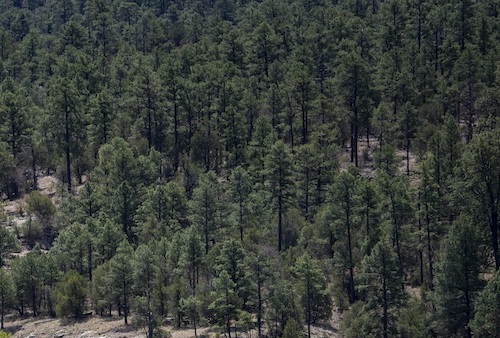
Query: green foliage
[[381, 285], [191, 306], [293, 330], [71, 293], [6, 294], [487, 309], [121, 275], [316, 301], [204, 132], [41, 207], [5, 334], [225, 301], [457, 280], [8, 244]]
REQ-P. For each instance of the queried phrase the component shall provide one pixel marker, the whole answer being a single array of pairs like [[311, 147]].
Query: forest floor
[[102, 327]]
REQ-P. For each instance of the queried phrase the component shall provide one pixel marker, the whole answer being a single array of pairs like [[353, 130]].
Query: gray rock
[[60, 334], [88, 334]]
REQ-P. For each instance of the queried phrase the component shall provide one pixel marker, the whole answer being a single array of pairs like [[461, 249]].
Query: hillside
[[274, 168]]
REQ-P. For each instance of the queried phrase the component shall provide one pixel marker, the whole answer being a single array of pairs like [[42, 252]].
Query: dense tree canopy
[[219, 161]]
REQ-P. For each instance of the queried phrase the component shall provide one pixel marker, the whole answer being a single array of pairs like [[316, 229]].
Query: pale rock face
[[88, 334], [60, 334]]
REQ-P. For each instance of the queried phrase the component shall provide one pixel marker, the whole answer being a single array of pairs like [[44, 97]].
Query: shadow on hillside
[[12, 329], [326, 326]]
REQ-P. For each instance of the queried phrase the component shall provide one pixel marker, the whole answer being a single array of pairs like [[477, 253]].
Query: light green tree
[[316, 301], [71, 293], [191, 306]]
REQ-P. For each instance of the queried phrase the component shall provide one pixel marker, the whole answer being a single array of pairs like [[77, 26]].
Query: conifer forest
[[252, 168]]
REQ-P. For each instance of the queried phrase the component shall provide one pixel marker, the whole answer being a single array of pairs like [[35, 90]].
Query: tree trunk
[[429, 248], [259, 304], [2, 312], [494, 238], [308, 305], [67, 137], [280, 221], [385, 305], [352, 295]]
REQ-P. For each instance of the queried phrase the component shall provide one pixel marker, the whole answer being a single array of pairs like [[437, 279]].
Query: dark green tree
[[225, 301], [205, 208], [345, 207], [6, 294], [8, 244], [381, 285], [144, 266], [121, 274], [481, 176], [487, 310], [457, 278], [279, 168], [240, 190]]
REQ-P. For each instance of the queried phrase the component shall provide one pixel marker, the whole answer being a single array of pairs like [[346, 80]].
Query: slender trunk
[[352, 296], [228, 319], [241, 218], [33, 167], [125, 304], [494, 238], [407, 156], [176, 136], [259, 303], [89, 258], [194, 326], [429, 248], [494, 226], [67, 137], [308, 305], [306, 206], [385, 310], [280, 221], [421, 254], [2, 312]]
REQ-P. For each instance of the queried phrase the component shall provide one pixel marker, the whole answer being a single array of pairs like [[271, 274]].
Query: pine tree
[[225, 301], [144, 266], [121, 274], [481, 176], [345, 207], [205, 208], [240, 190], [381, 285], [487, 310], [279, 167], [315, 299], [6, 294], [457, 279]]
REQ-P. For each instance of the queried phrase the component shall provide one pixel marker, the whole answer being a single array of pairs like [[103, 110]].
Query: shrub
[[41, 207], [71, 293]]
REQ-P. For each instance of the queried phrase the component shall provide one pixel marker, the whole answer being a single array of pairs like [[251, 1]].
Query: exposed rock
[[88, 334], [60, 334]]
